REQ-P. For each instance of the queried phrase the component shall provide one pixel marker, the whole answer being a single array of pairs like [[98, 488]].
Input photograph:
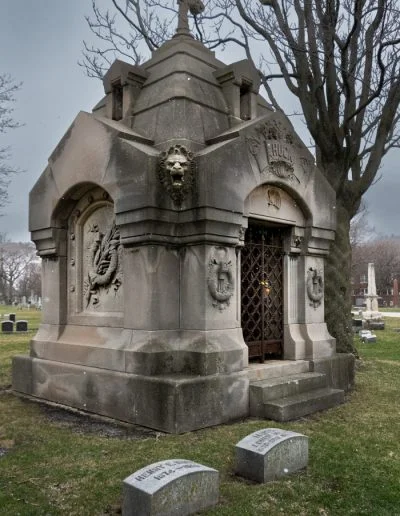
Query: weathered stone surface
[[339, 370], [170, 403], [12, 317], [7, 326], [270, 454], [174, 487]]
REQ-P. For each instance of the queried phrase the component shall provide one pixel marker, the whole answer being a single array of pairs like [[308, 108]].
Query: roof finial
[[195, 7]]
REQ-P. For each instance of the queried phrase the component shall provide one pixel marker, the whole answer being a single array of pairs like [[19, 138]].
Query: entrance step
[[283, 398], [276, 368], [275, 388], [293, 407]]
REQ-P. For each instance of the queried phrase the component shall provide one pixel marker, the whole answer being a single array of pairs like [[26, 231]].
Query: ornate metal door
[[262, 291]]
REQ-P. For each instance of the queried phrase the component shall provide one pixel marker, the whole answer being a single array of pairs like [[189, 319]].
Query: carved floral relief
[[95, 273], [220, 278], [103, 263], [176, 172]]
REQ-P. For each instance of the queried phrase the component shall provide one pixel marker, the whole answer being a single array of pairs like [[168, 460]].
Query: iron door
[[262, 292]]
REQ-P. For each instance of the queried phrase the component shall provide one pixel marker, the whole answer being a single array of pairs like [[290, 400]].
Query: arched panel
[[94, 257], [268, 202]]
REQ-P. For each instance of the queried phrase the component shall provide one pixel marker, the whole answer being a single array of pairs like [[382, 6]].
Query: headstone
[[270, 454], [21, 326], [175, 487], [357, 324], [395, 292], [367, 336], [376, 325], [12, 317], [7, 326]]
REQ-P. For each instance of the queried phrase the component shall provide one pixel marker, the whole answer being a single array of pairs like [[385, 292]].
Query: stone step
[[293, 407], [277, 368], [274, 388]]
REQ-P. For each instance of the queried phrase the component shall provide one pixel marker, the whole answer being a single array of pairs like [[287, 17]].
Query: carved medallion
[[271, 147], [274, 198], [220, 278], [315, 287], [176, 172]]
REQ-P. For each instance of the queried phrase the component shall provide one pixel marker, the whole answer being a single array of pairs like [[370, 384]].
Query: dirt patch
[[82, 423]]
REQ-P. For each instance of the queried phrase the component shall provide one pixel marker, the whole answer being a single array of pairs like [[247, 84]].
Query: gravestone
[[175, 487], [12, 317], [372, 316], [21, 326], [7, 326], [357, 324], [270, 454]]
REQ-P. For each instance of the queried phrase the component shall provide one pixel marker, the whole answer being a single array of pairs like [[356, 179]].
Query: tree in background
[[8, 88], [339, 59], [18, 265]]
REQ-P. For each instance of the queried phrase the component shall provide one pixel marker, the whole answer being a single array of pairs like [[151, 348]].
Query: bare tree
[[339, 59], [8, 88], [360, 229], [15, 261]]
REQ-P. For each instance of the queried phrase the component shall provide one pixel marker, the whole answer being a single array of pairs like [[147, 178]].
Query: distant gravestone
[[12, 317], [21, 326], [175, 487], [270, 454], [7, 326]]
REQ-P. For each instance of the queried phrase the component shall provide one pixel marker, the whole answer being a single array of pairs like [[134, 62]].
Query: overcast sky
[[41, 43]]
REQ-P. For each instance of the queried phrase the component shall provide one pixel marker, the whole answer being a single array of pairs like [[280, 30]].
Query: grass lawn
[[64, 466]]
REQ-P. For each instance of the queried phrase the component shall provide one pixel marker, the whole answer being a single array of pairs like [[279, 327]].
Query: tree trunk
[[338, 285]]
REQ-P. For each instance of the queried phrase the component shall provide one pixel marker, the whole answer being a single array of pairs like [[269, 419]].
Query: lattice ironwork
[[262, 291]]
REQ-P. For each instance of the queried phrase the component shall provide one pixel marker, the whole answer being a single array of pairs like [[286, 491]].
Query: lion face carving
[[176, 172]]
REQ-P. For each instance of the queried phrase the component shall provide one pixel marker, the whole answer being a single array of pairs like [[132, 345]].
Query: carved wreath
[[176, 172], [315, 287], [103, 263], [220, 278]]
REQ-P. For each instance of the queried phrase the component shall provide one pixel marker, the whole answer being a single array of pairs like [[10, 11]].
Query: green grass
[[52, 468]]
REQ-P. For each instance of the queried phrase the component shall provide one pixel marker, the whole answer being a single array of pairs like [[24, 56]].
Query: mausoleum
[[183, 227]]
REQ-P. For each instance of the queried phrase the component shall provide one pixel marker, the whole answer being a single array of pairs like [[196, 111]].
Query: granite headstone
[[270, 454], [21, 326], [175, 487], [7, 326]]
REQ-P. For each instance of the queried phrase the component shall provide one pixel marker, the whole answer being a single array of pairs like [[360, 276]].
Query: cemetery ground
[[54, 462]]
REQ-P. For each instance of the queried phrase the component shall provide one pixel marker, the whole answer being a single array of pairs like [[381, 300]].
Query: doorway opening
[[262, 291]]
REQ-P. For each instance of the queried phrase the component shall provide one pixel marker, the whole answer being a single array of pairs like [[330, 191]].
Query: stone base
[[171, 403]]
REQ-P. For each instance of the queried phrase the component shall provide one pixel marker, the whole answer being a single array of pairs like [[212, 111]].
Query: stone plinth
[[174, 487], [270, 454]]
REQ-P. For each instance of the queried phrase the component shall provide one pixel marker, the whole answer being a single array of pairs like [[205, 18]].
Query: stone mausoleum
[[183, 228]]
